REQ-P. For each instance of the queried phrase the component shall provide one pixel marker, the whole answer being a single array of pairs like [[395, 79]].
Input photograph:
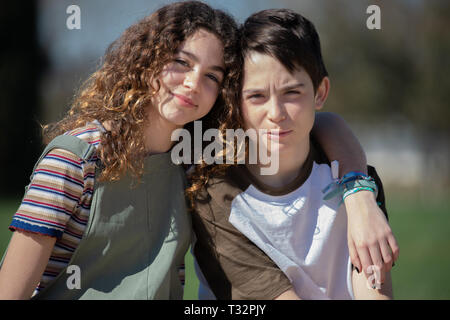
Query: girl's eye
[[213, 78], [182, 62], [292, 92]]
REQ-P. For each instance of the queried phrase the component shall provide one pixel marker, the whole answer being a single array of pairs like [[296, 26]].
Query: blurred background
[[390, 84]]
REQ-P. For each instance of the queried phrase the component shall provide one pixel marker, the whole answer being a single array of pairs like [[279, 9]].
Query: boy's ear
[[322, 93]]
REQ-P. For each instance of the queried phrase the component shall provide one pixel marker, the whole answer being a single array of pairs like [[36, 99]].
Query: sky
[[103, 21]]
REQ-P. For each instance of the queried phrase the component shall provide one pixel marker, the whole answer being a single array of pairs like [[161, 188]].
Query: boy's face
[[275, 99]]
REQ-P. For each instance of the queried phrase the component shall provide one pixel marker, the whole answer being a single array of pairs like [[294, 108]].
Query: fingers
[[394, 246], [387, 255], [354, 258], [377, 259], [365, 258], [380, 254]]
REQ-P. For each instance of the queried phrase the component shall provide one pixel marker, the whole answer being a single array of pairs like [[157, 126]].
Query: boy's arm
[[370, 238], [288, 295], [367, 288]]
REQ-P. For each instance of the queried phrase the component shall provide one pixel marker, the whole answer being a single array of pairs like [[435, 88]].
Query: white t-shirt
[[303, 234]]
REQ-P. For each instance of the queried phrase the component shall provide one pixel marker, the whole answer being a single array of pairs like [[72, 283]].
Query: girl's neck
[[157, 135]]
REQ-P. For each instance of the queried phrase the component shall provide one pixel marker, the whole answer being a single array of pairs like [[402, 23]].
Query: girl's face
[[281, 102], [190, 83]]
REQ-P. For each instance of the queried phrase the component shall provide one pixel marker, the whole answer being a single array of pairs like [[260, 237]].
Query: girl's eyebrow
[[195, 58]]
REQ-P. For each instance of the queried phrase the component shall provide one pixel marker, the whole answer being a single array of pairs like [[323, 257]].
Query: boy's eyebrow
[[252, 91], [289, 87], [195, 58], [293, 86]]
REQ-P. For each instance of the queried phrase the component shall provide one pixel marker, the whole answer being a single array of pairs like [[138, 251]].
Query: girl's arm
[[339, 143], [26, 259], [33, 240], [370, 238]]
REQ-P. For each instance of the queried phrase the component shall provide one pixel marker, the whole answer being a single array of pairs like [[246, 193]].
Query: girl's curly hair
[[121, 91], [223, 119]]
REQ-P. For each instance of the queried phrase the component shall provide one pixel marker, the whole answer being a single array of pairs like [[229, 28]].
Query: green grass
[[191, 285], [422, 231], [7, 209]]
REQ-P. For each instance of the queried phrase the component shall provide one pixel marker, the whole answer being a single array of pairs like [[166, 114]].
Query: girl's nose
[[192, 80]]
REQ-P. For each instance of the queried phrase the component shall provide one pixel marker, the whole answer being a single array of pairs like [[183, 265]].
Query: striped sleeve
[[53, 195]]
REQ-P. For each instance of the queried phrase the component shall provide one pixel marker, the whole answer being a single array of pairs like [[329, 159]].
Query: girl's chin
[[177, 117]]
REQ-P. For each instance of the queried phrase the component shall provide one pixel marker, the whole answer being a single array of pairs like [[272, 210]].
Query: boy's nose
[[276, 111]]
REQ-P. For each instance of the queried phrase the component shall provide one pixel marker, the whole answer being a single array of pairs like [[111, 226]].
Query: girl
[[86, 229]]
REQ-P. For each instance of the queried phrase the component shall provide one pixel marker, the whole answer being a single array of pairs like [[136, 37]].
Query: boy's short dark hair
[[287, 36]]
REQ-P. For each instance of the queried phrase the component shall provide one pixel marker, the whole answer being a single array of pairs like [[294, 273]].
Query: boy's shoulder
[[222, 189]]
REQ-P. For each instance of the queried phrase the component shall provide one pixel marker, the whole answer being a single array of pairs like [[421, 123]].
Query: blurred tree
[[398, 73], [400, 69], [21, 64]]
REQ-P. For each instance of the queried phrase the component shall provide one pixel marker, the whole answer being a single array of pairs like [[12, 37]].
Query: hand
[[370, 238]]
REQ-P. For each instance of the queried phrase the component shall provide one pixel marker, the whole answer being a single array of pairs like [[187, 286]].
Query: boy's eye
[[255, 96], [213, 77], [292, 92]]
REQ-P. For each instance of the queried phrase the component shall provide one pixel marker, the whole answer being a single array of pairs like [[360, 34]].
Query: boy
[[277, 230]]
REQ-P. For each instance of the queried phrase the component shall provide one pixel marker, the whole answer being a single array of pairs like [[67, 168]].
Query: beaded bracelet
[[355, 190], [349, 184]]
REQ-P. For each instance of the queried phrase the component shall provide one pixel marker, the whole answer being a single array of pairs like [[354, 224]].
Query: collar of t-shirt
[[243, 177]]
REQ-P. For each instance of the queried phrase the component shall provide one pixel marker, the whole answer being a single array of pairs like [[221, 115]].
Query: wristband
[[355, 190], [350, 183]]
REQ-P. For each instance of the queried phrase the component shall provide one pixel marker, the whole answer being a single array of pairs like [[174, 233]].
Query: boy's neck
[[290, 167]]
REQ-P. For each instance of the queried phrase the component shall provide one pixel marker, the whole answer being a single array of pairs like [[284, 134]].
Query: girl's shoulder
[[90, 133]]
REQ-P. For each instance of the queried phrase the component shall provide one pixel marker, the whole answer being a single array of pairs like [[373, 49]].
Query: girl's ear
[[322, 93]]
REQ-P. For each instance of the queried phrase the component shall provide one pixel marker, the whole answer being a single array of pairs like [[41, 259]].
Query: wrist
[[359, 202], [363, 195]]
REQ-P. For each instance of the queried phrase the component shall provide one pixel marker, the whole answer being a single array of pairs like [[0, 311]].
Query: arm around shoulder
[[337, 140]]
